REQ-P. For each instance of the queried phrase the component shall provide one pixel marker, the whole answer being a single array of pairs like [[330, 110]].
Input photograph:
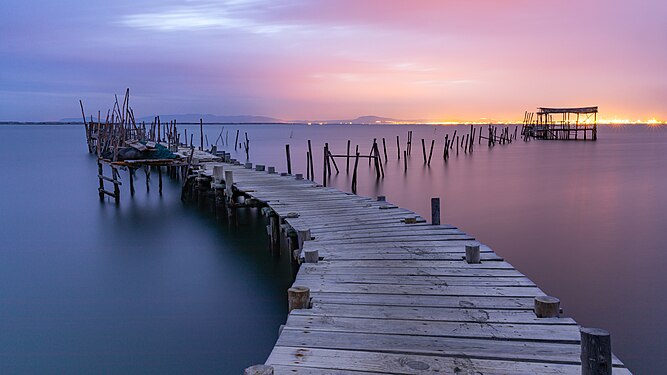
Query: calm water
[[156, 286], [150, 287]]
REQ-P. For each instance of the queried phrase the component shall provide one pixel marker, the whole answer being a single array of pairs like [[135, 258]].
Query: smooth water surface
[[151, 286], [156, 286]]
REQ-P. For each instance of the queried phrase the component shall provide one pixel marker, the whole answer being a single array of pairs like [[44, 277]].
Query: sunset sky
[[317, 60]]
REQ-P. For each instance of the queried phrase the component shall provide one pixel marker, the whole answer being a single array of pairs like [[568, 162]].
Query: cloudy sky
[[319, 59]]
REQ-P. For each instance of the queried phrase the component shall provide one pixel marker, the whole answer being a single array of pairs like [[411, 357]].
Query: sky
[[436, 60]]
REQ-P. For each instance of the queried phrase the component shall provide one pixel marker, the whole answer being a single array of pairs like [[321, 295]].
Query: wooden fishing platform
[[573, 124], [378, 290]]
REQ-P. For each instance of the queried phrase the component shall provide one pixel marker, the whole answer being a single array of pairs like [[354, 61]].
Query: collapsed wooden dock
[[573, 124], [380, 290]]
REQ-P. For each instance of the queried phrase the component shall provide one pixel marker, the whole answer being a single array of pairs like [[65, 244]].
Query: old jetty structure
[[561, 124], [377, 289]]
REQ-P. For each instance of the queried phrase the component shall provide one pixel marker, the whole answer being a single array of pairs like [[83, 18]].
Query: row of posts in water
[[457, 143]]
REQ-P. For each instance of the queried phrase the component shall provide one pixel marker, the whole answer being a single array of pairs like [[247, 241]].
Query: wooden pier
[[379, 290], [573, 124]]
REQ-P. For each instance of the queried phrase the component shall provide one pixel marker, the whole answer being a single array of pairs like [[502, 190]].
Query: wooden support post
[[405, 160], [258, 370], [354, 174], [116, 189], [424, 150], [324, 168], [384, 146], [100, 172], [229, 184], [147, 171], [430, 153], [236, 142], [595, 351], [398, 147], [274, 223], [159, 178], [303, 236], [289, 159], [298, 297], [308, 177], [130, 172], [347, 156], [311, 256], [298, 176], [435, 211], [332, 160], [472, 254], [310, 157], [218, 174], [547, 307], [201, 134]]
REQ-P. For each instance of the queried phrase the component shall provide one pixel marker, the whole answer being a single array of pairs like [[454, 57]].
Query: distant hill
[[365, 120]]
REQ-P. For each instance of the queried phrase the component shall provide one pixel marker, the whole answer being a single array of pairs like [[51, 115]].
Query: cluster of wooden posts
[[496, 135]]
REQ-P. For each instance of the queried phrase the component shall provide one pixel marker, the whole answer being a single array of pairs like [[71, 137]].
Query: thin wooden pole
[[289, 160], [398, 147], [347, 162], [424, 150], [384, 146], [354, 174], [430, 153], [332, 160], [310, 156]]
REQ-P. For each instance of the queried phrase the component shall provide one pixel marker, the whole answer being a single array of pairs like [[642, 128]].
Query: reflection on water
[[151, 286], [154, 286]]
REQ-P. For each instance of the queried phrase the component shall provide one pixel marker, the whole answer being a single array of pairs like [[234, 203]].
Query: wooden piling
[[424, 150], [298, 297], [201, 134], [595, 351], [347, 158], [311, 256], [384, 146], [310, 157], [435, 211], [289, 159], [430, 153], [546, 307], [324, 160], [398, 147], [472, 254], [354, 174]]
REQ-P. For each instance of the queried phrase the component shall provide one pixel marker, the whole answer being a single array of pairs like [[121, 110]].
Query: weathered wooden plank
[[556, 353], [493, 331], [444, 314], [338, 269], [401, 257], [417, 264], [414, 280], [389, 363], [421, 301], [440, 290]]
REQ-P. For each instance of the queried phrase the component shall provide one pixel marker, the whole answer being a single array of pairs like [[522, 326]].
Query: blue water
[[155, 286], [151, 286]]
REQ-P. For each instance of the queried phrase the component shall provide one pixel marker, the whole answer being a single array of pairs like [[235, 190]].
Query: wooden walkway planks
[[395, 298]]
